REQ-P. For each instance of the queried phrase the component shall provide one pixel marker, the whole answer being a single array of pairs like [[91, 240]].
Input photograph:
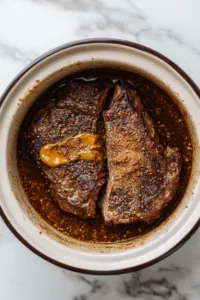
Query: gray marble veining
[[16, 54]]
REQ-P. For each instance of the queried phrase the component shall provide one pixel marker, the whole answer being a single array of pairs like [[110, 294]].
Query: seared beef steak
[[72, 109], [143, 176]]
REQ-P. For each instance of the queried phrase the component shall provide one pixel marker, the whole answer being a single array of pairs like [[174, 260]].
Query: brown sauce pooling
[[171, 128]]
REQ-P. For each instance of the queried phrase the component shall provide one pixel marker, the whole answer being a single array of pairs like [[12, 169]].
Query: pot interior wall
[[24, 104]]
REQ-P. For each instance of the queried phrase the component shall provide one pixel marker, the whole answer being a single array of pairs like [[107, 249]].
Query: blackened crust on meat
[[72, 109], [143, 175]]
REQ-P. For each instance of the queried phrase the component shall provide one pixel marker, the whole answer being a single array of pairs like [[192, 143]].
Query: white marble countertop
[[27, 29]]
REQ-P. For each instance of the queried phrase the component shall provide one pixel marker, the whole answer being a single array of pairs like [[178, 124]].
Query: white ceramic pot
[[16, 211]]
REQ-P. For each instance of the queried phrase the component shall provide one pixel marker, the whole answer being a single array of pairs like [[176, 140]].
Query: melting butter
[[83, 146]]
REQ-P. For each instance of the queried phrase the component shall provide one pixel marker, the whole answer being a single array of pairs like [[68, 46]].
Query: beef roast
[[143, 175], [72, 108]]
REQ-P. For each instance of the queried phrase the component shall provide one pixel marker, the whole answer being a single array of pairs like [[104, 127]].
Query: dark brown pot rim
[[25, 70]]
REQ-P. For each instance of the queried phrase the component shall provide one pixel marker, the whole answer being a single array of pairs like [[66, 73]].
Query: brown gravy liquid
[[172, 130]]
